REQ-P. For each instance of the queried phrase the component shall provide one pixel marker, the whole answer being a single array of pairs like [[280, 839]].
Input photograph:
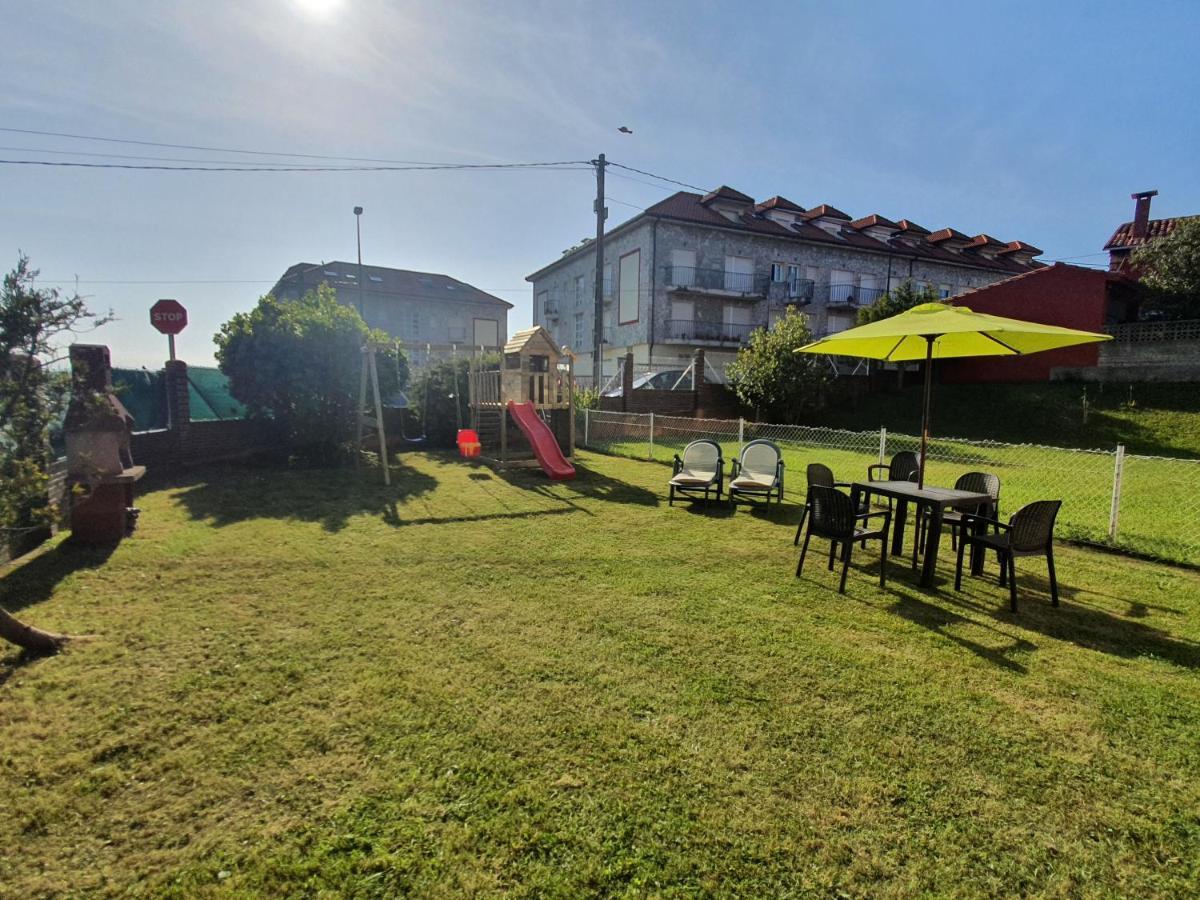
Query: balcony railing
[[691, 278], [1142, 332], [699, 330], [795, 290], [851, 295], [551, 309]]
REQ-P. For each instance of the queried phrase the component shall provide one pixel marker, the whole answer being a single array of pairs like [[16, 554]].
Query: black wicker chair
[[832, 516], [1030, 532], [819, 475], [903, 467], [977, 483]]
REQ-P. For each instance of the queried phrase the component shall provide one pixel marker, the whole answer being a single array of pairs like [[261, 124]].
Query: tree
[[33, 393], [297, 363], [1170, 272], [769, 376], [904, 297]]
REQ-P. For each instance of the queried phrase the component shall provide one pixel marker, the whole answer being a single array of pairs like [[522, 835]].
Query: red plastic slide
[[541, 438]]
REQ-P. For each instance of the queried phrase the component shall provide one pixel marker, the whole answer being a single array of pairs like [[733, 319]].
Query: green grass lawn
[[476, 683], [1160, 500], [1148, 418]]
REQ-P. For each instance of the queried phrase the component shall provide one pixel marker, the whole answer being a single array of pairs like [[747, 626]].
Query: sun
[[318, 9]]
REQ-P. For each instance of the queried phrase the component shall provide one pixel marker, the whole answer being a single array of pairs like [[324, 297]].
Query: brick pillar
[[697, 368], [626, 379], [179, 413]]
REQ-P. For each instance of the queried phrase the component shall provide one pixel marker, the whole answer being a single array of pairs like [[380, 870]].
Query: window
[[376, 279], [486, 333], [413, 321], [629, 287], [608, 285], [944, 291], [578, 330], [683, 268], [578, 290], [869, 289], [779, 272], [331, 273], [739, 274], [457, 331], [793, 280], [543, 303]]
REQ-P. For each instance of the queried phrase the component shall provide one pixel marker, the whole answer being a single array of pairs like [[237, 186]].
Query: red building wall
[[1061, 294]]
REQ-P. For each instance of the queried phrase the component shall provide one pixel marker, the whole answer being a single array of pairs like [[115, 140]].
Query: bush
[[768, 375], [297, 363]]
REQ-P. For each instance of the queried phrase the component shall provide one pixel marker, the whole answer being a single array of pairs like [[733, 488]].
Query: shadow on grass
[[1082, 624], [34, 580], [586, 483], [938, 619], [328, 496]]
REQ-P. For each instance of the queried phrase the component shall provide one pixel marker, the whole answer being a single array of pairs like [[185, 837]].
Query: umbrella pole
[[925, 408]]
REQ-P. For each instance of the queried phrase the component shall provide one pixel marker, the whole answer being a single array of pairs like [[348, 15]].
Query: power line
[[659, 177], [175, 159], [111, 140], [568, 165]]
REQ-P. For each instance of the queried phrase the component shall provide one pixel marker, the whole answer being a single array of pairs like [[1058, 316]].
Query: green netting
[[209, 395], [144, 394]]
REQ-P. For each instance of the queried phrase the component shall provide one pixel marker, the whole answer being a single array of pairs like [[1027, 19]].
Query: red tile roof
[[725, 192], [1020, 247], [826, 211], [910, 242], [873, 220], [1156, 228], [947, 234], [985, 240], [909, 227], [778, 202]]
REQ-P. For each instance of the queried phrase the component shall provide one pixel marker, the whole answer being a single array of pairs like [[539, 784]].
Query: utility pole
[[358, 235], [598, 331]]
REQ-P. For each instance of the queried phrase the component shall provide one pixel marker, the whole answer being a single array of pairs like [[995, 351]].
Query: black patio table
[[937, 501]]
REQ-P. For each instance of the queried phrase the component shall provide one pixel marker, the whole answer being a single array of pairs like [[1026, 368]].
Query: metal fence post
[[1114, 512], [741, 430], [586, 421], [651, 454], [882, 445]]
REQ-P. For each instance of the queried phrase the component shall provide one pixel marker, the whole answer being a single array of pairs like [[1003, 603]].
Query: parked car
[[666, 380]]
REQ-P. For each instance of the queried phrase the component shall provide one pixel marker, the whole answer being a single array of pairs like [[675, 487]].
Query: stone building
[[707, 270], [418, 308]]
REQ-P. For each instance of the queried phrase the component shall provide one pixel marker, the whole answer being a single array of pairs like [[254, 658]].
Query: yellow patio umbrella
[[941, 331]]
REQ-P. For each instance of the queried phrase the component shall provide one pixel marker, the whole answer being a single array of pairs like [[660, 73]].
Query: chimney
[[1141, 212]]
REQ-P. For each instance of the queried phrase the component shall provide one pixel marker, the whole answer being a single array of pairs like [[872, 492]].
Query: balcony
[[551, 309], [719, 281], [710, 332], [851, 295], [794, 291]]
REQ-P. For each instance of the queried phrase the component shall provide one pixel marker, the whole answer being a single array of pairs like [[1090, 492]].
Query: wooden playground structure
[[531, 370]]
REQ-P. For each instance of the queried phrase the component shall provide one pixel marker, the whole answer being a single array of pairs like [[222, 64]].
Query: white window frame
[[629, 285]]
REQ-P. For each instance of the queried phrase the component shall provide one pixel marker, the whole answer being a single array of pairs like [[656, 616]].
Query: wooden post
[[571, 402], [503, 432]]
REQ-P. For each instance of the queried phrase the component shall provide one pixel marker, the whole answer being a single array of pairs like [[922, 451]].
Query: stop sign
[[168, 316]]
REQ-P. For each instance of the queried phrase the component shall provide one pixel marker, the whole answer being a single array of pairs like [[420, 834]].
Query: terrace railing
[[1141, 332], [851, 295], [699, 330], [722, 280]]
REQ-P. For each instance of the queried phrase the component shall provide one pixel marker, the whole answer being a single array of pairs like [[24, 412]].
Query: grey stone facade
[[417, 308], [687, 298]]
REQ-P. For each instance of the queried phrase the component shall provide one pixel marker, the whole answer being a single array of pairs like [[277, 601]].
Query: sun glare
[[318, 9]]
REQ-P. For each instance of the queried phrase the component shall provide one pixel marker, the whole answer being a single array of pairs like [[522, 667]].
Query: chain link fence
[[1144, 504]]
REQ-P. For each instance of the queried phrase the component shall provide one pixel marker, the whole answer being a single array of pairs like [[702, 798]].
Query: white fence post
[[586, 421], [651, 454], [882, 445], [1114, 513], [741, 431]]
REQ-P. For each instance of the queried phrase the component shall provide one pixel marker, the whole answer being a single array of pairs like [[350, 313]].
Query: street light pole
[[598, 335], [358, 236]]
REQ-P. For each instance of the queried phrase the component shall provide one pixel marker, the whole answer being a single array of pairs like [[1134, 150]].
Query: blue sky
[[1029, 121]]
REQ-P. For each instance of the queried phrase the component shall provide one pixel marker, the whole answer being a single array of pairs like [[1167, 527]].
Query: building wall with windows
[[414, 307], [702, 284]]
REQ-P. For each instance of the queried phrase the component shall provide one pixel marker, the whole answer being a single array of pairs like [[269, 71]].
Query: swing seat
[[468, 442]]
